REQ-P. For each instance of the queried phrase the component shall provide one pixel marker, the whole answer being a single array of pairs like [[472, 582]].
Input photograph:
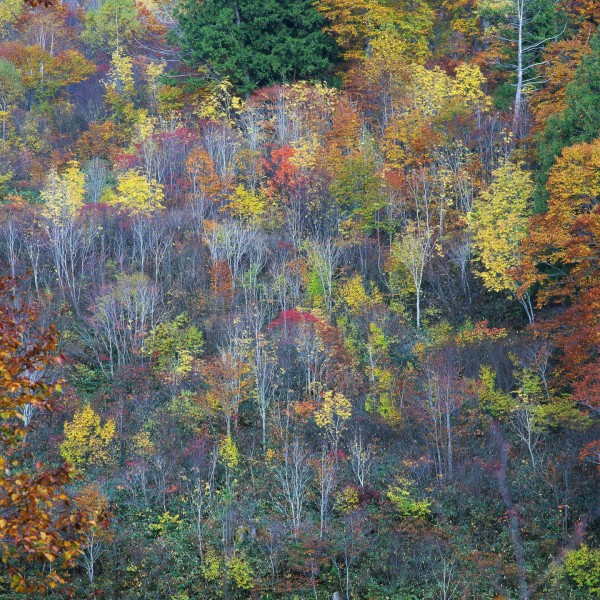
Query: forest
[[300, 299]]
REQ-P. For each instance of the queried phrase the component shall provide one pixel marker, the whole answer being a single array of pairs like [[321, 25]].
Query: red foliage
[[284, 177], [292, 317]]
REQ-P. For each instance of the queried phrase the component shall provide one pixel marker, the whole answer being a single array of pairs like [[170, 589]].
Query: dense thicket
[[310, 338], [256, 42]]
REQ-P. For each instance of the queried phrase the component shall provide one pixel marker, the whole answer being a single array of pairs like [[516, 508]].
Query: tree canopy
[[256, 42]]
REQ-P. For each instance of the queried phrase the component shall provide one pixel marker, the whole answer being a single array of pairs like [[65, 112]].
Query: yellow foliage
[[347, 499], [357, 24], [356, 297], [246, 205], [212, 568], [220, 103], [240, 571], [87, 441], [94, 504], [433, 89], [143, 445], [467, 85], [228, 452], [499, 222], [402, 497], [64, 193], [10, 11], [121, 78], [136, 194], [333, 412]]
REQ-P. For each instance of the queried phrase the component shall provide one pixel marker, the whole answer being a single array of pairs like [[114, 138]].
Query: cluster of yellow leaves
[[236, 568], [220, 102], [228, 452], [87, 441], [121, 75], [64, 193], [433, 89], [10, 11], [165, 523], [175, 346], [497, 402], [246, 205], [499, 223], [240, 571], [136, 194], [356, 297], [402, 496], [424, 96], [333, 412], [142, 445], [347, 499], [357, 24]]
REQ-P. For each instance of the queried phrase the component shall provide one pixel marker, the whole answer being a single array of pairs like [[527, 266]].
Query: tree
[[499, 221], [47, 75], [122, 316], [358, 25], [580, 120], [112, 25], [40, 534], [359, 192], [11, 90], [136, 194], [87, 442], [332, 415], [64, 194], [560, 256], [582, 566], [10, 11], [95, 504], [228, 378], [175, 345], [294, 475], [528, 25], [413, 250], [256, 42]]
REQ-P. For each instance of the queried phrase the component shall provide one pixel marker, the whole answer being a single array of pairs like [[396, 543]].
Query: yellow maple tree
[[87, 442], [136, 194], [64, 193], [499, 223]]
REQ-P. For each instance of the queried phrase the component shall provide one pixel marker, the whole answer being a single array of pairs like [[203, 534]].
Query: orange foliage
[[561, 254], [99, 141], [39, 532]]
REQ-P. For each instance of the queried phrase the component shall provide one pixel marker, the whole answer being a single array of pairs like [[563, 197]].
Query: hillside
[[300, 299]]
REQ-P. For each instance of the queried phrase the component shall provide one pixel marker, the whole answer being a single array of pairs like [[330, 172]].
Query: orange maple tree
[[561, 256], [40, 534]]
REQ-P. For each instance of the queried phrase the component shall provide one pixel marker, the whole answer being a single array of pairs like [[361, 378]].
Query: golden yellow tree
[[136, 194], [332, 415], [499, 222], [64, 193], [87, 442]]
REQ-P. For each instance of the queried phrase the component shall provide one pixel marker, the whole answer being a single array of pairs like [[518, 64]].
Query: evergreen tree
[[256, 42]]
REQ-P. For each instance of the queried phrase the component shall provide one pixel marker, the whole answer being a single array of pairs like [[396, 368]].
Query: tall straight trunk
[[519, 91]]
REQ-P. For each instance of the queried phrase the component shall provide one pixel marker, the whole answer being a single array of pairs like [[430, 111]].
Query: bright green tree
[[11, 84], [112, 25], [11, 90]]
